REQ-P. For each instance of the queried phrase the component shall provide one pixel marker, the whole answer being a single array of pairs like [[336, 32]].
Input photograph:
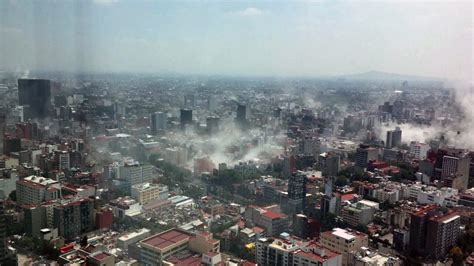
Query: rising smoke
[[459, 133], [231, 145]]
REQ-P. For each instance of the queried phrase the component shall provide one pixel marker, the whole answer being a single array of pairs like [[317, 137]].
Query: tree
[[330, 221], [362, 228], [341, 181], [12, 195], [84, 241], [457, 255]]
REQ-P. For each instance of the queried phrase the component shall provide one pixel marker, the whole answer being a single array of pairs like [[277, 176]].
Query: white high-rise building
[[135, 173], [36, 189], [419, 150]]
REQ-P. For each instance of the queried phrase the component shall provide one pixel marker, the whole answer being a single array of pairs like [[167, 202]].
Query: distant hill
[[378, 75]]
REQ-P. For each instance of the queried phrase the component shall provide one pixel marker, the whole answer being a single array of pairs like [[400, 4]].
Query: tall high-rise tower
[[36, 93], [158, 122], [394, 138], [186, 117], [297, 192]]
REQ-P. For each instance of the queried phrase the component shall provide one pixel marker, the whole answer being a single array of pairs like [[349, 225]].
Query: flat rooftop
[[166, 239], [345, 234], [134, 234]]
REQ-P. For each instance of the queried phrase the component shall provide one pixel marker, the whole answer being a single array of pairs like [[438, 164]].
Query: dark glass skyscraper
[[242, 113], [297, 192], [186, 117], [36, 93]]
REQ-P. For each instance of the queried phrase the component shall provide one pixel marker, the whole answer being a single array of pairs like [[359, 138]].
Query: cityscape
[[234, 160]]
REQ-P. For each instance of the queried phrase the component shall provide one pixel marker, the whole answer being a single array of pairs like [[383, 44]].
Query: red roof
[[347, 197], [313, 256], [187, 261], [203, 233], [257, 230], [101, 256], [166, 239], [211, 254], [273, 215]]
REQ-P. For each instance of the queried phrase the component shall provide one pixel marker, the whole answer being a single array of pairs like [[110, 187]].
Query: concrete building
[[310, 146], [203, 242], [125, 207], [63, 159], [147, 192], [367, 257], [364, 154], [211, 259], [315, 254], [157, 248], [34, 219], [433, 230], [36, 189], [329, 163], [274, 222], [394, 138], [101, 258], [344, 241], [286, 250], [390, 193], [455, 169], [360, 213], [296, 193], [132, 237], [75, 218], [418, 150], [176, 155], [134, 173], [444, 196]]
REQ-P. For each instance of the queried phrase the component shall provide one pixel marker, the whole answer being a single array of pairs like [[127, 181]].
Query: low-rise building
[[315, 254], [274, 222], [344, 241], [203, 242], [287, 250], [360, 213], [155, 249], [147, 192], [126, 206], [132, 237], [367, 257]]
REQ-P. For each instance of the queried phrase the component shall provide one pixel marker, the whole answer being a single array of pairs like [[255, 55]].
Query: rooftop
[[100, 256], [347, 234], [315, 252], [147, 186], [273, 215], [134, 234], [40, 180], [166, 239]]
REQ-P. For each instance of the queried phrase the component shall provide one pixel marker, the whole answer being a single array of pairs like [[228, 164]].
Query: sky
[[250, 38]]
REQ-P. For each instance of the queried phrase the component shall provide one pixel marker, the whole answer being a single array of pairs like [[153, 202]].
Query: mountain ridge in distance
[[380, 75]]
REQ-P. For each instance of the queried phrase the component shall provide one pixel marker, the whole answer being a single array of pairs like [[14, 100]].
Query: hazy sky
[[280, 38]]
